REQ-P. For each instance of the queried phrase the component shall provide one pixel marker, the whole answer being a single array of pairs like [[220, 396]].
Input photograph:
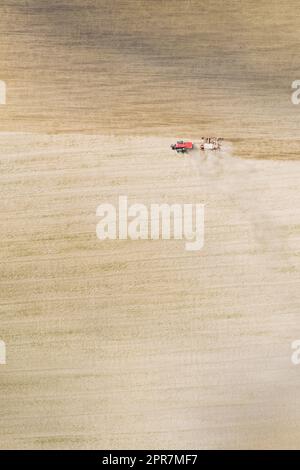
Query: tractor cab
[[181, 146]]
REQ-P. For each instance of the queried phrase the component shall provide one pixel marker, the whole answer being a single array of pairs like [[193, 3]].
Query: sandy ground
[[141, 344]]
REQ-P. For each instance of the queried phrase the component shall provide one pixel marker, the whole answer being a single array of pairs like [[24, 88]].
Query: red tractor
[[181, 146]]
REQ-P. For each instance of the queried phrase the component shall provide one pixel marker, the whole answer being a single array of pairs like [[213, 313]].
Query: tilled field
[[127, 344]]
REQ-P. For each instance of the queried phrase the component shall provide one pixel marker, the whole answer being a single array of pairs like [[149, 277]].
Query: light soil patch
[[141, 344]]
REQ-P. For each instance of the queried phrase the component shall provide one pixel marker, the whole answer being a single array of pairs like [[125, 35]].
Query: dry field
[[142, 344]]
